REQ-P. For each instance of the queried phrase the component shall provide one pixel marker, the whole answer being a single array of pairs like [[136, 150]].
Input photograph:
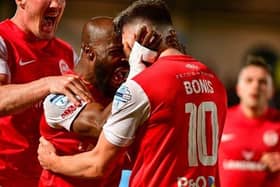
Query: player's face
[[111, 67], [254, 87], [41, 17]]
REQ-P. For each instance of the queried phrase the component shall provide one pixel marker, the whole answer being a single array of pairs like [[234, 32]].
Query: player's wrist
[[139, 57], [54, 163], [45, 84]]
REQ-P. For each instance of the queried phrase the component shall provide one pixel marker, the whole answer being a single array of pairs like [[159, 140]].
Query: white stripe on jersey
[[4, 69]]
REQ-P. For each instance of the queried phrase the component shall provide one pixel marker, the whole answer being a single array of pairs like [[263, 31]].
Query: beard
[[103, 74]]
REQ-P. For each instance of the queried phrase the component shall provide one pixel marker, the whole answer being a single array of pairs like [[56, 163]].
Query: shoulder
[[4, 26], [62, 44], [60, 111], [273, 114], [128, 95], [233, 109]]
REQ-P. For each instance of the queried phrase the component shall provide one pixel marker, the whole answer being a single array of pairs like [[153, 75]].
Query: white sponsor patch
[[122, 96], [59, 100]]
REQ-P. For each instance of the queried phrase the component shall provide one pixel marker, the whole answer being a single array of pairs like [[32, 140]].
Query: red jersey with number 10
[[178, 144]]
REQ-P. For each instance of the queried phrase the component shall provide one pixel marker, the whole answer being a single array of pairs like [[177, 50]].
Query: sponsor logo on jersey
[[200, 181], [24, 63], [59, 100], [192, 66], [243, 165], [122, 96], [63, 66], [68, 111], [247, 154], [270, 138], [227, 137]]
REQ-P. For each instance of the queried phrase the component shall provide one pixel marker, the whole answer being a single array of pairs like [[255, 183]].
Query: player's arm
[[130, 109], [91, 119], [86, 119], [91, 164], [14, 97]]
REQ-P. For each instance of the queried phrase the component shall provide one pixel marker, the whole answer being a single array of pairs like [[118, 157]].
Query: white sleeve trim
[[60, 112], [4, 69], [130, 109]]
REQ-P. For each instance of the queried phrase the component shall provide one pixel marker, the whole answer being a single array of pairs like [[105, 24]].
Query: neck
[[170, 51], [18, 20], [83, 71], [252, 112]]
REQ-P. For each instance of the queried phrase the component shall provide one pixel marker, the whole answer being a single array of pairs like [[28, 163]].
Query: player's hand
[[141, 54], [46, 153], [71, 86], [149, 39], [272, 161]]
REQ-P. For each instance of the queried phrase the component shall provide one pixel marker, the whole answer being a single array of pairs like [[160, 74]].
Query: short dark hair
[[258, 61], [156, 11]]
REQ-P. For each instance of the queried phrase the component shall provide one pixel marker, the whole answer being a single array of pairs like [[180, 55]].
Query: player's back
[[178, 144]]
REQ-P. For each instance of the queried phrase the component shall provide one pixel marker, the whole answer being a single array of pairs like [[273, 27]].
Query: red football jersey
[[70, 143], [27, 59], [244, 140], [180, 122]]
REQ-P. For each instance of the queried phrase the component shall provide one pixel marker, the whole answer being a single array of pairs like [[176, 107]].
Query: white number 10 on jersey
[[197, 134]]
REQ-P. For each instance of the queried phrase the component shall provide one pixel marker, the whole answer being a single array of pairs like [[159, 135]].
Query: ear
[[91, 55], [237, 90], [272, 91], [21, 3]]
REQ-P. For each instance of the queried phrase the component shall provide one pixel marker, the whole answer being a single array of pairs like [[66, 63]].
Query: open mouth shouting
[[49, 22]]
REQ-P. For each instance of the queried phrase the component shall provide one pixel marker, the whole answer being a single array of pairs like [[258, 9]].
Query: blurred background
[[217, 32]]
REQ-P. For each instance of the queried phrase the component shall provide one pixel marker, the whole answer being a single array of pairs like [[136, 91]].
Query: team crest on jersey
[[122, 96], [270, 138], [63, 66]]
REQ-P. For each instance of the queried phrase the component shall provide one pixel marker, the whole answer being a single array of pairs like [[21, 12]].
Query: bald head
[[98, 30], [102, 61]]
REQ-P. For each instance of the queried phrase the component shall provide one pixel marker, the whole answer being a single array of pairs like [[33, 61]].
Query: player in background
[[72, 129], [171, 115], [31, 62], [252, 129]]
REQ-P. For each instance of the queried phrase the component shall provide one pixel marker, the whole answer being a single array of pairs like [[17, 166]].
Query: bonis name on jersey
[[198, 86]]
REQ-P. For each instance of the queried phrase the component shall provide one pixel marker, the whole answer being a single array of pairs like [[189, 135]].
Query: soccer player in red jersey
[[31, 62], [170, 115], [252, 130], [75, 129]]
